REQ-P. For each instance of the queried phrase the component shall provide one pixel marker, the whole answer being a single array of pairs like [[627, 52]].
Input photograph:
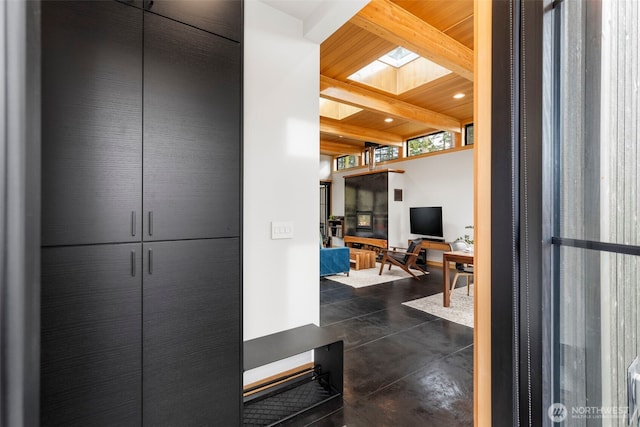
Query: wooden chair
[[406, 260], [464, 270]]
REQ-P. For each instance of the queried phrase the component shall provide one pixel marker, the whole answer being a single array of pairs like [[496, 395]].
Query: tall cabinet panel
[[218, 17], [91, 331], [91, 129], [191, 132], [191, 330]]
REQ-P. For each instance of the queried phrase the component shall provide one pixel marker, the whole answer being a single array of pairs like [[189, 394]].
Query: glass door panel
[[594, 48]]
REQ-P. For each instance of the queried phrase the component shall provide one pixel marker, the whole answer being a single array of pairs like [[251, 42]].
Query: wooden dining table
[[447, 257]]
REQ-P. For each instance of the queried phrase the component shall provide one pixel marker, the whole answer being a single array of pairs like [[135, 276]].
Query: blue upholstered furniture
[[334, 261]]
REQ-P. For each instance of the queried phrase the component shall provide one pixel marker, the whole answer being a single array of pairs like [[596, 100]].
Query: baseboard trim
[[276, 379]]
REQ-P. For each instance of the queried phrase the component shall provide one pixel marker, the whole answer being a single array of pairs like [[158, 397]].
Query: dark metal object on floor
[[285, 402], [284, 398]]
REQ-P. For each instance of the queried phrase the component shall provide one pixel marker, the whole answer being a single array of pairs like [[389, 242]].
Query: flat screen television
[[364, 220], [427, 222]]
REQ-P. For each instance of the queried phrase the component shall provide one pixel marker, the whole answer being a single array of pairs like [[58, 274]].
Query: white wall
[[443, 180], [326, 166], [281, 128], [395, 211], [281, 157]]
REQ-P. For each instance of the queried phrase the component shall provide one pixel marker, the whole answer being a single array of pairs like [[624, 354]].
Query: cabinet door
[[191, 132], [191, 328], [222, 17], [91, 335], [91, 122]]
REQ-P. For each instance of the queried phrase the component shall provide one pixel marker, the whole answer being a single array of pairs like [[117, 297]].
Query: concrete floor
[[402, 367]]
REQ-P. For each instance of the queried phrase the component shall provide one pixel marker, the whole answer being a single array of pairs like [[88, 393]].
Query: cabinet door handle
[[133, 223], [150, 223], [133, 263], [150, 261]]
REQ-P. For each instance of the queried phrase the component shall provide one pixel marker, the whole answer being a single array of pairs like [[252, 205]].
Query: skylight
[[398, 57], [368, 71], [398, 71], [336, 110]]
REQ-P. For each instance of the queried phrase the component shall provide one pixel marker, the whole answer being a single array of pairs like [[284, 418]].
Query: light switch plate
[[281, 230]]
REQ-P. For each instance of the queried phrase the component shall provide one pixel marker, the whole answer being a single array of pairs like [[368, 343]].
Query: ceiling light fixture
[[388, 120], [458, 96]]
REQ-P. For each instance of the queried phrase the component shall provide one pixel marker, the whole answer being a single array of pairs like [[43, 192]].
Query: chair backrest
[[458, 245], [414, 248]]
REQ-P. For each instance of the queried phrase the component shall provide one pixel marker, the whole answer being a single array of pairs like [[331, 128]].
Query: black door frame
[[516, 213]]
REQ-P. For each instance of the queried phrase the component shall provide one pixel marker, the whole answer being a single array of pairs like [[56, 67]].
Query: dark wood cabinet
[[218, 17], [91, 361], [191, 132], [91, 122], [141, 291], [192, 337], [93, 127]]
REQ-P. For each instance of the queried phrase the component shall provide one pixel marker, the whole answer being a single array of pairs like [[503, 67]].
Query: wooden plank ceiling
[[438, 30]]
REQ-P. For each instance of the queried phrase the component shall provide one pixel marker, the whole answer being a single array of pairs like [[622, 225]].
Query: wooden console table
[[433, 245], [437, 246]]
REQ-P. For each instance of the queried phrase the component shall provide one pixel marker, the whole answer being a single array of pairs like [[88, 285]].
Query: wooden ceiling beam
[[397, 25], [333, 127], [338, 148], [370, 100]]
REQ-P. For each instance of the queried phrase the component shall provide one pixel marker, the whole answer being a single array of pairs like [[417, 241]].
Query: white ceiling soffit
[[320, 18]]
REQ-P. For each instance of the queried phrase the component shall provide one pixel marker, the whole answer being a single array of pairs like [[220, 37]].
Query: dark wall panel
[[367, 193]]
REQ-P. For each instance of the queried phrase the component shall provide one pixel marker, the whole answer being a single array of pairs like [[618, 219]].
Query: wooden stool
[[362, 258]]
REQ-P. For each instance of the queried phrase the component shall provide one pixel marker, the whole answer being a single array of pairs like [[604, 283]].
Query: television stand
[[435, 245]]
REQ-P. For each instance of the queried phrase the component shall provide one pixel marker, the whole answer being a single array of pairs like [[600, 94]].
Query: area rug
[[460, 311], [369, 276]]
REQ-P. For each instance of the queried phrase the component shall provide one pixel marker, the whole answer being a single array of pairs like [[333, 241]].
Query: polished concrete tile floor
[[402, 367]]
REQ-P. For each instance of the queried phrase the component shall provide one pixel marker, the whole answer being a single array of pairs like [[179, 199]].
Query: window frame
[[386, 148], [444, 146], [466, 134], [338, 158]]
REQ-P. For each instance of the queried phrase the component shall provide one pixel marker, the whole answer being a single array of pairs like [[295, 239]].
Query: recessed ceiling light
[[388, 120], [340, 136], [458, 96]]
